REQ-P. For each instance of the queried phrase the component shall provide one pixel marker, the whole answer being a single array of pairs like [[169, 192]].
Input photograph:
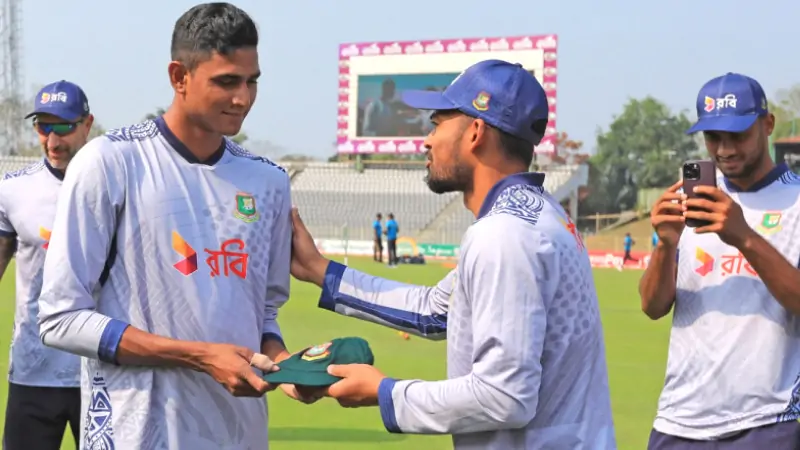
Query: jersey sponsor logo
[[44, 233], [736, 264], [245, 208], [187, 265], [227, 261], [573, 230], [733, 264], [706, 262], [770, 223], [317, 352]]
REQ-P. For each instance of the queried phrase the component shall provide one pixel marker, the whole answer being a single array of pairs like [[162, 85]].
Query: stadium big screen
[[372, 76]]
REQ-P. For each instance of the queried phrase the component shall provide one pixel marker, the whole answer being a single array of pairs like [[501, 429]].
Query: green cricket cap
[[310, 366]]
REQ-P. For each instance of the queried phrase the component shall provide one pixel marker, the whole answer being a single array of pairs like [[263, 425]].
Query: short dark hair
[[520, 149], [211, 27]]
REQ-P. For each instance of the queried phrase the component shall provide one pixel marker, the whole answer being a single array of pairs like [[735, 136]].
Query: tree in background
[[786, 109], [568, 151], [643, 147]]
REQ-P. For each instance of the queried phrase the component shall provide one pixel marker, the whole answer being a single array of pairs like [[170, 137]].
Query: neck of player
[[483, 180], [201, 143]]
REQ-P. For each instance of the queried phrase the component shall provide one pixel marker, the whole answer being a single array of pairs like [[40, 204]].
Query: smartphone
[[698, 173]]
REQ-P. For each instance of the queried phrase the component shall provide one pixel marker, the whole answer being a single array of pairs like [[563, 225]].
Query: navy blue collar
[[56, 173], [773, 176], [525, 178], [182, 149]]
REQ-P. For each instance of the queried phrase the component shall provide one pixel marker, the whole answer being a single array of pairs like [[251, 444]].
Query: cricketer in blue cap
[[733, 115], [63, 121], [731, 103], [493, 104], [742, 318], [513, 382]]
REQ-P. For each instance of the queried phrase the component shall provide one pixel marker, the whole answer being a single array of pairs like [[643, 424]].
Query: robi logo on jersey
[[229, 260], [706, 262], [44, 233], [730, 264]]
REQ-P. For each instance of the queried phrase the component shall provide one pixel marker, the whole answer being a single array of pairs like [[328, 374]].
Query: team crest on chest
[[770, 222], [316, 352], [246, 208]]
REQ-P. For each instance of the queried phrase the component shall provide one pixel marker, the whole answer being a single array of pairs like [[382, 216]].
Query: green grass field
[[636, 349]]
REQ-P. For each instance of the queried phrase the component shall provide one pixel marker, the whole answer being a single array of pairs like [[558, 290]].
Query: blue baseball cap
[[503, 94], [62, 99], [732, 103]]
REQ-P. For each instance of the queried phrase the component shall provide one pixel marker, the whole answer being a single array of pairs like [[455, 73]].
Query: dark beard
[[456, 180]]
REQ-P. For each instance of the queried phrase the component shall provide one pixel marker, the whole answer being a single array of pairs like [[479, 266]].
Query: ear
[[88, 122], [178, 75], [476, 134], [769, 123]]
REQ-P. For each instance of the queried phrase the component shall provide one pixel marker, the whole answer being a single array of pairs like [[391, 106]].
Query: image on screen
[[381, 113]]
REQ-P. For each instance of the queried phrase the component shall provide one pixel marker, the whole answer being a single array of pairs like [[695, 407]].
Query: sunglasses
[[60, 129]]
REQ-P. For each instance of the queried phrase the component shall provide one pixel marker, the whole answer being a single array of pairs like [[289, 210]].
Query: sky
[[609, 51]]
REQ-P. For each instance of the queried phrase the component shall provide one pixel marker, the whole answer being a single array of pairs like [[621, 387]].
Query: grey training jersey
[[734, 351], [525, 353], [27, 207], [202, 254]]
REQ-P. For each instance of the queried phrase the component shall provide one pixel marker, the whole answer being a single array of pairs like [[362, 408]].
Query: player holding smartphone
[[698, 173], [727, 260]]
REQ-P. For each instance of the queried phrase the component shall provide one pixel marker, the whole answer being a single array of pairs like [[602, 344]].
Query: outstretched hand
[[358, 387], [232, 367]]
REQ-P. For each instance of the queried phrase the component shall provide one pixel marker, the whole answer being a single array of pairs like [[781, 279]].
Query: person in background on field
[[627, 243], [44, 395], [391, 239], [377, 247], [733, 370], [526, 366]]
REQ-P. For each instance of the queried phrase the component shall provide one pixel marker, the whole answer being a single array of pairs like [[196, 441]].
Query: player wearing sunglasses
[[44, 383]]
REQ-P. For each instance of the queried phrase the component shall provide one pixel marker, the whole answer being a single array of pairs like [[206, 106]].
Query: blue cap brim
[[54, 112], [427, 100], [730, 124]]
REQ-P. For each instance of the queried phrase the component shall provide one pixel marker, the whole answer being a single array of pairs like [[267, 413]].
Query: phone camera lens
[[691, 171]]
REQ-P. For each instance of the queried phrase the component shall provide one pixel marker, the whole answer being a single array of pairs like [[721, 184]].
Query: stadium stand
[[331, 195], [14, 163]]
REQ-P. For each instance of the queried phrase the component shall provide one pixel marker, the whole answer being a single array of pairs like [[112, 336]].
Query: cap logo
[[481, 102], [709, 104], [729, 101], [317, 352], [54, 97]]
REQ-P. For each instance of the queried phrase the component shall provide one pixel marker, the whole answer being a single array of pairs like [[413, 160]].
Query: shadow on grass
[[308, 434]]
